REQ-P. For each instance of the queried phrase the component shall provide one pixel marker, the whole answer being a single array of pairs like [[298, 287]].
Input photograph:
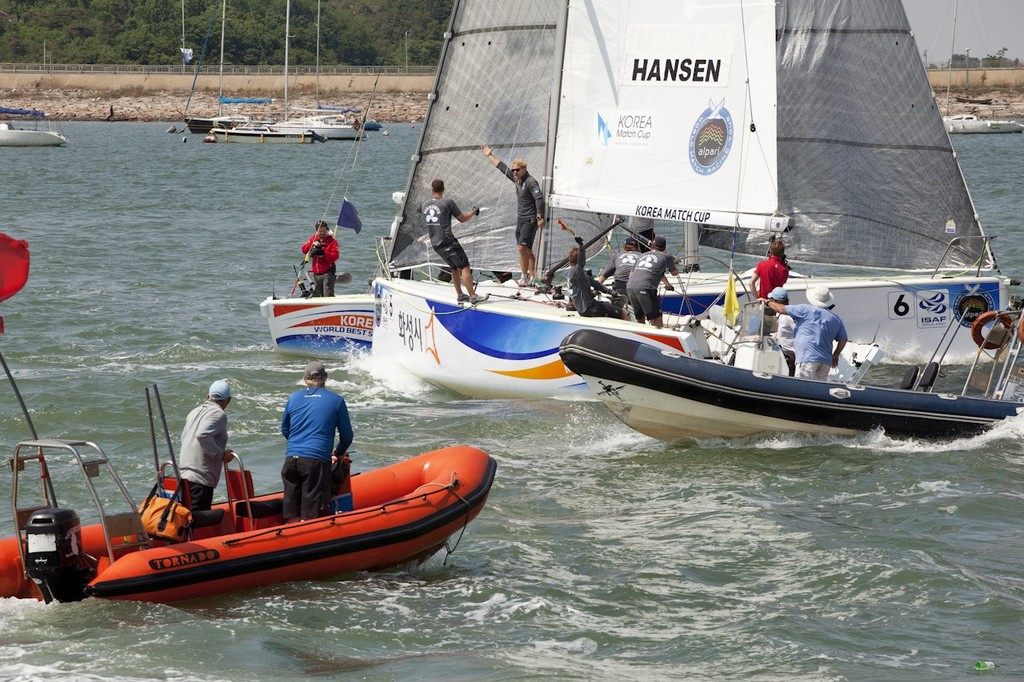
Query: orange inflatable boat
[[401, 513]]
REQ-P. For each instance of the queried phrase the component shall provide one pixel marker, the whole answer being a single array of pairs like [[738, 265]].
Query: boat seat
[[208, 517], [928, 376], [910, 378], [260, 509]]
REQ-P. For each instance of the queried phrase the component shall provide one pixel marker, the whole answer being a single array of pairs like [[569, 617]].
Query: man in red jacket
[[322, 247]]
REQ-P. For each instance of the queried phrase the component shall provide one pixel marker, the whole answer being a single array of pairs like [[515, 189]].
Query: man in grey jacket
[[204, 446], [530, 209]]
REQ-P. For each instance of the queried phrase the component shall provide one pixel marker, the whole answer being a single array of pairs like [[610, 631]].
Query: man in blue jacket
[[312, 416]]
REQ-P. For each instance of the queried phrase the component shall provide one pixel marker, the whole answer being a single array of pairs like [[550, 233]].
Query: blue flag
[[349, 217]]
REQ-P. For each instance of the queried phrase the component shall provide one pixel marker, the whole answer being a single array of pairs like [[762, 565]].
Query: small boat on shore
[[402, 513]]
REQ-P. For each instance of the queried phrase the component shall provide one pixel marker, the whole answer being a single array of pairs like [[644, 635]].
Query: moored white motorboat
[[328, 126], [266, 134], [972, 124]]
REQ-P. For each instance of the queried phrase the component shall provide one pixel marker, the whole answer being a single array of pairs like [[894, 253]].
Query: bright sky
[[983, 26]]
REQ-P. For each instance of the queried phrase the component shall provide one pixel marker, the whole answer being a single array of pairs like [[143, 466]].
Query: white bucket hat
[[821, 297]]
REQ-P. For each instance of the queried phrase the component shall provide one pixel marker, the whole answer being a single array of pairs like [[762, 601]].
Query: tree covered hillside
[[352, 32]]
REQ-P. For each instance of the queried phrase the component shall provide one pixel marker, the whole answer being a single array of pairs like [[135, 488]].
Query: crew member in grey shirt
[[642, 287], [437, 212], [581, 282], [204, 446], [618, 268], [530, 209]]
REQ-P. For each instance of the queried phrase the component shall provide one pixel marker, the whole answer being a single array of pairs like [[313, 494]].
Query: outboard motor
[[54, 559]]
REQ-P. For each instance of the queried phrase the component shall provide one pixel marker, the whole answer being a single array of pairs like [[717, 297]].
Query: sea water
[[601, 554]]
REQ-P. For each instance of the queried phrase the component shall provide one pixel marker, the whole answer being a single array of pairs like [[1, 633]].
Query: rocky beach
[[96, 105], [390, 107]]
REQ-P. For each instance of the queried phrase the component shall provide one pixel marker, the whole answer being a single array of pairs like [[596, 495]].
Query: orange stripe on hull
[[333, 321], [553, 370], [285, 309]]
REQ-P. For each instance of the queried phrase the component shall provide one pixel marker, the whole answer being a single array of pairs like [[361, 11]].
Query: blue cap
[[779, 294], [219, 390]]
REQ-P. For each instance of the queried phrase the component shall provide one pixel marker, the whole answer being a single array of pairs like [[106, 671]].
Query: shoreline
[[169, 106], [387, 107]]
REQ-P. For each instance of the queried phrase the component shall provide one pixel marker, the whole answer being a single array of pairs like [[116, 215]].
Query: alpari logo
[[935, 304], [969, 304], [711, 139]]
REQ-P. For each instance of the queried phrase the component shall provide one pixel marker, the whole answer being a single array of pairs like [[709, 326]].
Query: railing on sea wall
[[214, 69]]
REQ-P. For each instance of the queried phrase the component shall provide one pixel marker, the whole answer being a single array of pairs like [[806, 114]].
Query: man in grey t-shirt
[[204, 446], [642, 287], [530, 211], [437, 212]]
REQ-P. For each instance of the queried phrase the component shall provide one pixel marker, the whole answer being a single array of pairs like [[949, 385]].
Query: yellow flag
[[732, 303]]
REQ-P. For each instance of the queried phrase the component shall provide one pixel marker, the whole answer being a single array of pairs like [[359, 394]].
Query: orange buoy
[[998, 335]]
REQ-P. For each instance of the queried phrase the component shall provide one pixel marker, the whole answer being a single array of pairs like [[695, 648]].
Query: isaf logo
[[711, 139]]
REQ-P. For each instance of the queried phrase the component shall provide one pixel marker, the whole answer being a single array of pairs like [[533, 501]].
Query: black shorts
[[603, 309], [645, 302], [307, 487], [526, 230], [453, 254]]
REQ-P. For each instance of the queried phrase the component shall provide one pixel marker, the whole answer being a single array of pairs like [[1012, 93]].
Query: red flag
[[13, 265], [13, 268]]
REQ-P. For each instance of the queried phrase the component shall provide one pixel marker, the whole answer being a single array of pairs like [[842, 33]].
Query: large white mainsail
[[816, 118], [658, 102]]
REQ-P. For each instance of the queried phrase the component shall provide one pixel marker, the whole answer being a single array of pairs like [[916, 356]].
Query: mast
[[952, 47], [318, 52], [287, 27], [554, 99], [220, 97], [182, 39]]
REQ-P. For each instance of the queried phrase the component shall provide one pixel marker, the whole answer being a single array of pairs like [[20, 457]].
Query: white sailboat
[[203, 125], [272, 133], [329, 125], [971, 123], [737, 123], [45, 135]]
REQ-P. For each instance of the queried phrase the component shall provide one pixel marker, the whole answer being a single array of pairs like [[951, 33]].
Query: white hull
[[265, 135], [322, 327], [507, 346], [31, 138], [671, 418], [974, 125], [324, 126], [905, 315], [504, 347]]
